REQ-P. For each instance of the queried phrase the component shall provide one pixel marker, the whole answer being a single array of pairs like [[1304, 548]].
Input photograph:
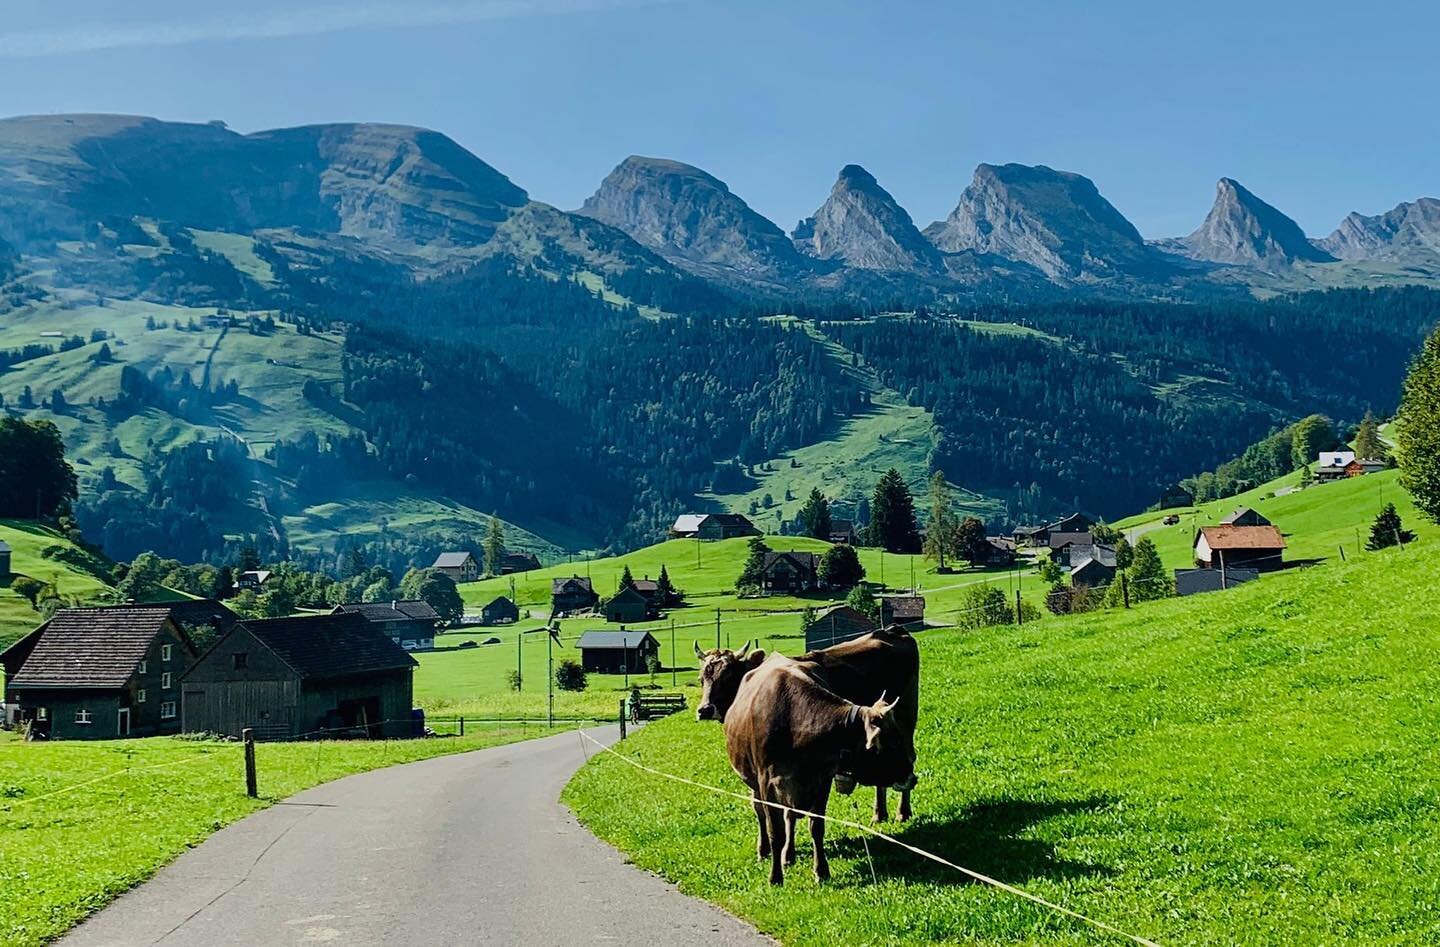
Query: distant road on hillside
[[471, 848]]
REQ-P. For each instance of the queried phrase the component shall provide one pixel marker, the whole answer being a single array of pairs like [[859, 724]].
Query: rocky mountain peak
[[1407, 233], [862, 226], [1243, 229]]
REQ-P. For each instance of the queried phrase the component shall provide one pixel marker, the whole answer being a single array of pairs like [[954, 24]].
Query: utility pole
[[550, 676], [673, 659], [519, 656], [717, 629]]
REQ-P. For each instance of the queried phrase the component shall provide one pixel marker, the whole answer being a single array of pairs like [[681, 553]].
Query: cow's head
[[889, 746], [721, 671]]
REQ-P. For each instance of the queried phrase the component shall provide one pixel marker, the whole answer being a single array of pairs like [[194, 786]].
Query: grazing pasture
[[1256, 766]]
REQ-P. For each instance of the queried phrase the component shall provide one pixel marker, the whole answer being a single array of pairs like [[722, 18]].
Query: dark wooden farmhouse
[[790, 572], [1244, 516], [1330, 465], [568, 596], [711, 526], [313, 677], [1092, 566], [616, 652], [1194, 581], [499, 611], [843, 531], [4, 561], [837, 624], [459, 566], [686, 525], [99, 673], [1060, 543], [411, 624], [629, 606], [1225, 547], [519, 562], [252, 580], [997, 551], [907, 611], [1040, 536]]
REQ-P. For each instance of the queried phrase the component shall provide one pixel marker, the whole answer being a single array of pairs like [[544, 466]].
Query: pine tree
[[753, 571], [627, 581], [494, 546], [1147, 576], [940, 530], [1368, 445], [892, 515], [815, 515], [1417, 429], [1387, 530], [669, 595]]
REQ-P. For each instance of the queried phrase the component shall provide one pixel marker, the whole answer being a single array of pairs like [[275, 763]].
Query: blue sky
[[1320, 108]]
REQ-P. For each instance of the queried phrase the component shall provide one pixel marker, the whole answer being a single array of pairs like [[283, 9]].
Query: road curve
[[466, 849]]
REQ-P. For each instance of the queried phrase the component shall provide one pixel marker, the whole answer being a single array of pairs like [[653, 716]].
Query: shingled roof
[[320, 646], [614, 639], [408, 610], [1241, 537], [90, 647], [451, 560]]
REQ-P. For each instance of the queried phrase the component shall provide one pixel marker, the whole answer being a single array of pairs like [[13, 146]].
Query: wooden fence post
[[1125, 589], [1019, 613], [462, 726], [622, 718], [248, 736]]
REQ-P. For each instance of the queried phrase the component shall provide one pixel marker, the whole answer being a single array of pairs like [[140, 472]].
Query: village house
[[459, 566], [843, 531], [628, 605], [1092, 566], [1194, 581], [907, 611], [1330, 465], [1041, 536], [499, 611], [1060, 543], [99, 673], [568, 596], [4, 561], [252, 580], [411, 623], [617, 652], [712, 526], [997, 551], [312, 677], [514, 562], [1225, 547], [1244, 516], [792, 572], [1360, 467], [837, 624]]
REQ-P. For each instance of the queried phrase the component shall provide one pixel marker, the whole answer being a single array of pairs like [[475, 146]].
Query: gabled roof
[[1245, 513], [1081, 554], [451, 560], [4, 546], [261, 576], [614, 639], [1060, 540], [688, 522], [1336, 458], [630, 593], [729, 519], [904, 607], [320, 646], [1241, 537], [801, 560], [409, 610], [501, 600], [647, 586], [841, 527], [557, 586], [90, 647]]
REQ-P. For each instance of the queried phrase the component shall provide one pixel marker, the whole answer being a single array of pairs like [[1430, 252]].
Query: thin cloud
[[305, 21]]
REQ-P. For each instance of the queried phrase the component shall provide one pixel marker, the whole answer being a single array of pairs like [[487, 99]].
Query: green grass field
[[1251, 767], [80, 823], [27, 540]]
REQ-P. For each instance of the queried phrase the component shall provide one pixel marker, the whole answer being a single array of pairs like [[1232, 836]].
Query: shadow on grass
[[986, 837]]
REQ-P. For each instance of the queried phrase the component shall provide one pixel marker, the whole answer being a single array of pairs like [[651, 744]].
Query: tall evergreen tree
[[753, 570], [1147, 577], [892, 515], [1387, 530], [941, 528], [669, 595], [1417, 429], [494, 546], [627, 581], [815, 515], [1368, 445]]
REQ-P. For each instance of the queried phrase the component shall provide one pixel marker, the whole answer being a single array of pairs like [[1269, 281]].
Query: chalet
[[499, 611], [1244, 516], [301, 678], [997, 551], [1030, 536], [459, 566], [410, 624], [1359, 467], [687, 525], [837, 624], [1060, 542], [628, 605], [725, 526], [1092, 566], [513, 562], [1074, 523], [1040, 536], [1193, 581], [99, 673], [616, 652], [1331, 465], [907, 611], [252, 580], [790, 572], [1226, 547], [843, 531], [4, 561], [568, 596]]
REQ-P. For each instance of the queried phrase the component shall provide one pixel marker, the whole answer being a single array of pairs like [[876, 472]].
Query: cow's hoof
[[822, 874], [844, 785], [777, 880]]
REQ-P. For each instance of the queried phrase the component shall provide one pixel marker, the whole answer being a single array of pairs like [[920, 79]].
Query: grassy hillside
[[1252, 767], [28, 542]]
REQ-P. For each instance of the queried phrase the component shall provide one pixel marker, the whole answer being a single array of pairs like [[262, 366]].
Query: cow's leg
[[790, 820], [817, 834], [904, 814], [776, 819], [761, 816], [882, 811]]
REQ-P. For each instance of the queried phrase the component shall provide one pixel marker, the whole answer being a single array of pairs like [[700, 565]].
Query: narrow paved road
[[465, 849]]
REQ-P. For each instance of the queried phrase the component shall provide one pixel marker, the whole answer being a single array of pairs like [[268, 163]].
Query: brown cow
[[786, 735], [859, 670]]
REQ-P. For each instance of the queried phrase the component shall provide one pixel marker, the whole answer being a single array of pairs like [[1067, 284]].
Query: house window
[[165, 681], [144, 666], [42, 713], [82, 715], [165, 650], [167, 710], [240, 660], [140, 696]]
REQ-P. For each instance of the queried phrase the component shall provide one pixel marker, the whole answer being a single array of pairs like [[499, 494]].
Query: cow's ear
[[872, 728], [755, 658]]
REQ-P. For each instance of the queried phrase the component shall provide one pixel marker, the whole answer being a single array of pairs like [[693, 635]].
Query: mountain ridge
[[1245, 230]]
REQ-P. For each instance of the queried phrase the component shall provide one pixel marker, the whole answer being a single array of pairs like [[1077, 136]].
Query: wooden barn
[[513, 562], [499, 611], [99, 673], [790, 572], [615, 652], [4, 561], [1224, 547], [312, 677], [571, 595], [835, 625], [459, 566], [629, 605], [907, 611], [409, 623]]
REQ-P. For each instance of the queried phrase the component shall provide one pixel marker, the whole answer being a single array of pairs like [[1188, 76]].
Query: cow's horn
[[698, 652], [882, 698], [744, 649]]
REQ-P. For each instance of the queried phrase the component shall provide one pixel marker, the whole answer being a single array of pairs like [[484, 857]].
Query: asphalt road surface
[[464, 849]]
